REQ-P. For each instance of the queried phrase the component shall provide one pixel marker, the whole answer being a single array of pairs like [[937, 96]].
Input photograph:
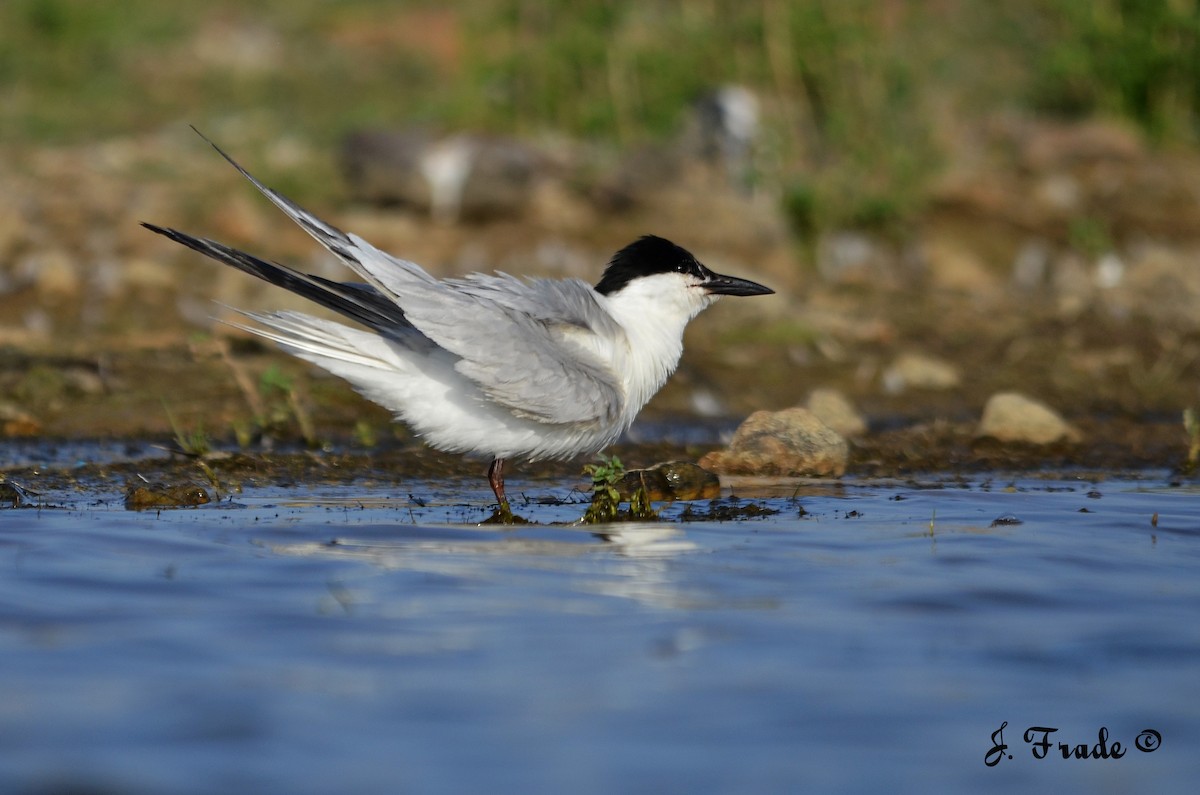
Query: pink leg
[[496, 478]]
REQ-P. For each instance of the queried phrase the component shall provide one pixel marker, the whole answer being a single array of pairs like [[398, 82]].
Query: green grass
[[189, 441], [605, 505], [856, 92], [1131, 58]]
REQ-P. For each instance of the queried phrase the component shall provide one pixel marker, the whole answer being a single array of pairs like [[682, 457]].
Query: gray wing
[[532, 346]]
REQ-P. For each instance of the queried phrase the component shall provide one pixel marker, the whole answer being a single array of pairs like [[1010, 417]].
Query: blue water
[[341, 640]]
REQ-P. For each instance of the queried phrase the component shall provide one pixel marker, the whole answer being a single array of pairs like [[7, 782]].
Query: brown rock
[[15, 421], [792, 442], [671, 480], [955, 266], [56, 273], [164, 495]]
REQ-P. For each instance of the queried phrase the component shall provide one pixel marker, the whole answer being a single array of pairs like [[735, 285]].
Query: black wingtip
[[165, 231], [223, 153], [206, 139], [194, 243], [174, 234]]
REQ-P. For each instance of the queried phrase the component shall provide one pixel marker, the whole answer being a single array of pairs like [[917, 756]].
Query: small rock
[[723, 129], [1013, 417], [15, 421], [82, 380], [1159, 282], [1058, 195], [555, 206], [238, 48], [833, 409], [1072, 285], [792, 442], [919, 371], [1049, 145], [13, 226], [956, 267], [453, 177], [672, 480], [162, 495], [55, 273], [1031, 265], [149, 274], [850, 257]]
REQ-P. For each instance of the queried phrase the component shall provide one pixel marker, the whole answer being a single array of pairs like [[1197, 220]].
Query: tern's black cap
[[652, 255], [647, 256]]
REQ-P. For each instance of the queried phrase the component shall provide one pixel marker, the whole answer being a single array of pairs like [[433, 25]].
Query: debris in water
[[164, 495]]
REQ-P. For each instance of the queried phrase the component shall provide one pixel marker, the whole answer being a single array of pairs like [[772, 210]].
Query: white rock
[[836, 411], [919, 371], [1013, 417]]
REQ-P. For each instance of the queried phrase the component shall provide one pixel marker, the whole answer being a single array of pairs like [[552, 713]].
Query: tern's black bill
[[731, 285]]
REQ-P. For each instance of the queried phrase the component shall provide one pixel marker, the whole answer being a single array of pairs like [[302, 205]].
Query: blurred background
[[951, 198]]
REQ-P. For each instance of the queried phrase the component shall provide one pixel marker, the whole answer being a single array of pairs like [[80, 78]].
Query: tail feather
[[370, 363], [309, 335], [358, 302]]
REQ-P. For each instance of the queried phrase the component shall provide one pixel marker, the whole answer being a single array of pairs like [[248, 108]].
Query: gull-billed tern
[[511, 368]]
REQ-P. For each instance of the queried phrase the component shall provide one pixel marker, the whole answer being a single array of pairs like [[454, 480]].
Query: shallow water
[[343, 640]]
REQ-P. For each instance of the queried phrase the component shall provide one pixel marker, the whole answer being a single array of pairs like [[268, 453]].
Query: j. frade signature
[[1038, 738]]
